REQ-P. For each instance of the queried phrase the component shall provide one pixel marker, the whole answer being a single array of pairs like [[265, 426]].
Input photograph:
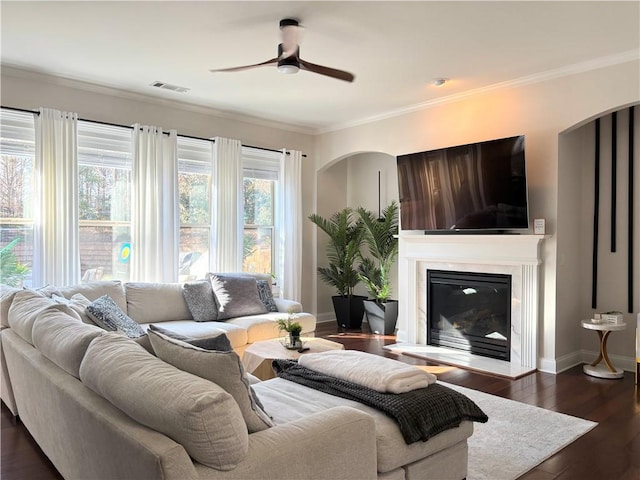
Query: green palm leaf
[[379, 234], [343, 250]]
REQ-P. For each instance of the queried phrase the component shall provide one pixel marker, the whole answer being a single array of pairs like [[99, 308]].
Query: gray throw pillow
[[217, 342], [106, 313], [222, 368], [266, 295], [236, 295], [200, 300]]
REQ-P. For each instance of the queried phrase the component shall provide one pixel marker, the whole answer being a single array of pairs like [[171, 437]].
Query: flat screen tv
[[480, 187]]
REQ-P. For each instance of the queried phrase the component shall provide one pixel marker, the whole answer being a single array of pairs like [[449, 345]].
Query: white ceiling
[[394, 49]]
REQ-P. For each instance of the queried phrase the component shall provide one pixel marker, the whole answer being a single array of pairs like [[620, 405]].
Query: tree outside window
[[258, 225], [17, 153]]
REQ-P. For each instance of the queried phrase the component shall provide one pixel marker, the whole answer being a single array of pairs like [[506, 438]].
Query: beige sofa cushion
[[6, 297], [62, 339], [26, 306], [236, 335], [94, 290], [78, 303], [265, 326], [156, 302], [288, 401], [222, 368], [194, 412]]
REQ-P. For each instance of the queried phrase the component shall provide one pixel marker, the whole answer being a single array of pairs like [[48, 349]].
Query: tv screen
[[480, 186]]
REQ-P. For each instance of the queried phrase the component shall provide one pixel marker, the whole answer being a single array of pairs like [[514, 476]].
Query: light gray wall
[[332, 188], [540, 110], [30, 91]]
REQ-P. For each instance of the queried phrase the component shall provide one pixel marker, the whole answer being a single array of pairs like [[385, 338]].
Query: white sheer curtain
[[155, 220], [56, 239], [290, 245], [227, 219]]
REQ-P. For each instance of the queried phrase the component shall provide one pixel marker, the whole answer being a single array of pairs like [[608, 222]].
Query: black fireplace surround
[[470, 311]]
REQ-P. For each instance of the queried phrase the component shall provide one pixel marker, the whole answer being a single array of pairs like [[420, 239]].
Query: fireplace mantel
[[515, 255]]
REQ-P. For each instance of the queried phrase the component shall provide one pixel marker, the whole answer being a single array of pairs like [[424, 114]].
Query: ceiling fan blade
[[329, 72], [273, 61]]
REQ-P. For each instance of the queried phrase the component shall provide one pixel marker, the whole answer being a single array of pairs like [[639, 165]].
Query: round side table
[[603, 330]]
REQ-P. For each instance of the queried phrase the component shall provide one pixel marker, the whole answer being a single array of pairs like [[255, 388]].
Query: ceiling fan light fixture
[[288, 69], [288, 60]]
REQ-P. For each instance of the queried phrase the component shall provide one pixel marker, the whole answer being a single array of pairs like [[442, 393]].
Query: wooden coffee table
[[258, 356]]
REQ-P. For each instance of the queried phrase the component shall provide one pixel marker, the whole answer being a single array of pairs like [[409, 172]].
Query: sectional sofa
[[104, 406]]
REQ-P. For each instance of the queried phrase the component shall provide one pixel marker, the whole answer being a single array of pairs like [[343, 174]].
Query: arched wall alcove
[[575, 234], [351, 181]]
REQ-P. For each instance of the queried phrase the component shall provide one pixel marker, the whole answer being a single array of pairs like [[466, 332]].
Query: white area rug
[[517, 436]]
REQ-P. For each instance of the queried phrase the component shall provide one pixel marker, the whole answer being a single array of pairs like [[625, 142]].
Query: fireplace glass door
[[469, 311]]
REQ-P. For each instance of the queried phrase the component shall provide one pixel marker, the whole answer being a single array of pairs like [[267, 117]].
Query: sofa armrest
[[336, 444], [287, 306]]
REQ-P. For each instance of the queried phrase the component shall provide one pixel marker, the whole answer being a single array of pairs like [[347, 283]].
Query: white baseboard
[[628, 364], [325, 317], [558, 365], [547, 365], [328, 317]]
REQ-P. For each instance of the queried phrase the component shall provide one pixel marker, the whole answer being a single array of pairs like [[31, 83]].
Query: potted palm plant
[[343, 252], [380, 237]]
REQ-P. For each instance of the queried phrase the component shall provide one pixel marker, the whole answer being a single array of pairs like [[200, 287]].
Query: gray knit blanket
[[420, 414]]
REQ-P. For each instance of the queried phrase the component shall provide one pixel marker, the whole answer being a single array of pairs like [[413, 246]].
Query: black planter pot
[[349, 310], [382, 317]]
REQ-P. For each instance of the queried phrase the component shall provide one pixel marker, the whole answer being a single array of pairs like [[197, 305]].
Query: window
[[260, 186], [194, 187], [104, 183], [17, 154]]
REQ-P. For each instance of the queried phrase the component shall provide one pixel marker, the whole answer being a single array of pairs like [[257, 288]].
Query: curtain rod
[[35, 112]]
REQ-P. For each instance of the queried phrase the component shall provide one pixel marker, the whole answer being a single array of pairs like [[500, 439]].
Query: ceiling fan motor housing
[[288, 64], [288, 22]]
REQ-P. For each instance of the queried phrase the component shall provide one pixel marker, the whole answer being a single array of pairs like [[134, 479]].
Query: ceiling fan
[[288, 60]]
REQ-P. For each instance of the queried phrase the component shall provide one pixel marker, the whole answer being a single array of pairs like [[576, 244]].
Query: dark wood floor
[[609, 451]]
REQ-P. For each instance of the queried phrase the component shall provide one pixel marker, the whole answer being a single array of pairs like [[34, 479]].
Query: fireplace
[[516, 256], [469, 311]]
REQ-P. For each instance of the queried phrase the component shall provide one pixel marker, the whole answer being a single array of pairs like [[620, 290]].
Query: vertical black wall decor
[[614, 175], [596, 204], [630, 209]]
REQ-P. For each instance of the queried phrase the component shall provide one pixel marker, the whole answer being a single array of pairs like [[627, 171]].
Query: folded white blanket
[[372, 371]]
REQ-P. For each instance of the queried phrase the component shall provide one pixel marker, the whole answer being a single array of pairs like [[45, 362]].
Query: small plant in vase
[[293, 328]]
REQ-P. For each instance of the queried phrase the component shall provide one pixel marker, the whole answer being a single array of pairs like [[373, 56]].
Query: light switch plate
[[538, 226]]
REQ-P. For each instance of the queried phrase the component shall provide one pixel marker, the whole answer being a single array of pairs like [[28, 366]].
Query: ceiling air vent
[[168, 86]]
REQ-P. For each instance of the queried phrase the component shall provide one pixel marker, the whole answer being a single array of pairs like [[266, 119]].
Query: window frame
[[18, 139], [104, 145], [197, 154], [265, 164]]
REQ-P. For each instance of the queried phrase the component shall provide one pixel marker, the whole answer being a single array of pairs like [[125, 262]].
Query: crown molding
[[602, 62], [30, 74]]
